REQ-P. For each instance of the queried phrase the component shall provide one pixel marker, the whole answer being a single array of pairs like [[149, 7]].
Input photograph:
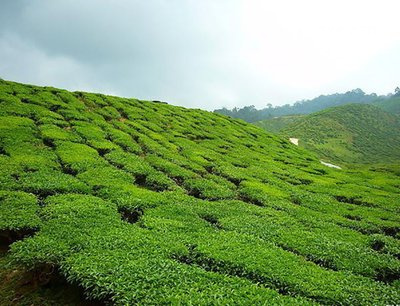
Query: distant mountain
[[251, 114], [354, 133], [276, 124]]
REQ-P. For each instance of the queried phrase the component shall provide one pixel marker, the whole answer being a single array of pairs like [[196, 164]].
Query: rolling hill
[[391, 105], [251, 114], [138, 202], [353, 133], [275, 125]]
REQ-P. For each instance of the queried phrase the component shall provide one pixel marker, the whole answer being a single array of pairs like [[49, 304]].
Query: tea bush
[[19, 210], [140, 202]]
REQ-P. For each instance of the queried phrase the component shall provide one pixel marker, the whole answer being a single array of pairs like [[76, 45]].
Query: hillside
[[391, 105], [251, 114], [352, 133], [138, 202], [275, 125]]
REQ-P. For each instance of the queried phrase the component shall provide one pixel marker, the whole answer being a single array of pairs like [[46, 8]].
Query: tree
[[397, 92]]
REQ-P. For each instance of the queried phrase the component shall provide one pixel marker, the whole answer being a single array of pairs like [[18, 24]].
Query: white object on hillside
[[295, 141], [330, 165]]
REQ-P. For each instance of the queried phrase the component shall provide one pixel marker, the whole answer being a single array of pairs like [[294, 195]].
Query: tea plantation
[[353, 133], [277, 124], [140, 202]]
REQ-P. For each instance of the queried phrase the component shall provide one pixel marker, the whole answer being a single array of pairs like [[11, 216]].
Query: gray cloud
[[193, 53]]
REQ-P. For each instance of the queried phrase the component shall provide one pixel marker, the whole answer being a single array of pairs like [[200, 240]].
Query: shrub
[[134, 164], [105, 176], [207, 189], [18, 210], [259, 193], [124, 140], [78, 157], [51, 133], [49, 182]]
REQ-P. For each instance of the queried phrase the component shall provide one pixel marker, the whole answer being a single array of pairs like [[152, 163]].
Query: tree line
[[251, 114]]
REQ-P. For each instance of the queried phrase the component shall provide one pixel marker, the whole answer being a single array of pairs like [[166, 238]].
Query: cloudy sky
[[203, 54]]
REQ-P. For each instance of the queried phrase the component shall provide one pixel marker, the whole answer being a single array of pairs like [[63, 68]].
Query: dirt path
[[330, 165], [295, 141]]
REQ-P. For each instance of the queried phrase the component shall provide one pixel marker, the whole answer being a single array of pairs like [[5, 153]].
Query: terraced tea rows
[[352, 133], [143, 202]]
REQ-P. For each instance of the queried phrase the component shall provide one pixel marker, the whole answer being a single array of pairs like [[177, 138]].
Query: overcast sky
[[203, 53]]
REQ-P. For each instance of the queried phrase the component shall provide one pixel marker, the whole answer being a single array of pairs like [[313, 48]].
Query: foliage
[[352, 133], [390, 105], [140, 202], [275, 125], [389, 102], [18, 210]]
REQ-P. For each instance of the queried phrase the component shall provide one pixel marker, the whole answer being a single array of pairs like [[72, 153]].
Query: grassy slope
[[142, 202], [275, 125], [353, 133]]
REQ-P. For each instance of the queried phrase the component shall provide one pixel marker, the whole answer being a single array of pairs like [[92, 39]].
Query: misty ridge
[[252, 114]]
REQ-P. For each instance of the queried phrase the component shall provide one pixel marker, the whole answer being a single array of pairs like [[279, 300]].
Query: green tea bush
[[7, 99], [124, 140], [105, 176], [109, 112], [51, 133], [171, 169], [207, 189], [132, 197], [259, 193], [88, 131], [48, 182], [134, 164], [139, 202], [18, 210], [158, 181], [78, 157]]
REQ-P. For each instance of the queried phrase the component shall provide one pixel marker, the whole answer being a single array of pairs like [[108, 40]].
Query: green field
[[277, 124], [353, 133], [140, 202]]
